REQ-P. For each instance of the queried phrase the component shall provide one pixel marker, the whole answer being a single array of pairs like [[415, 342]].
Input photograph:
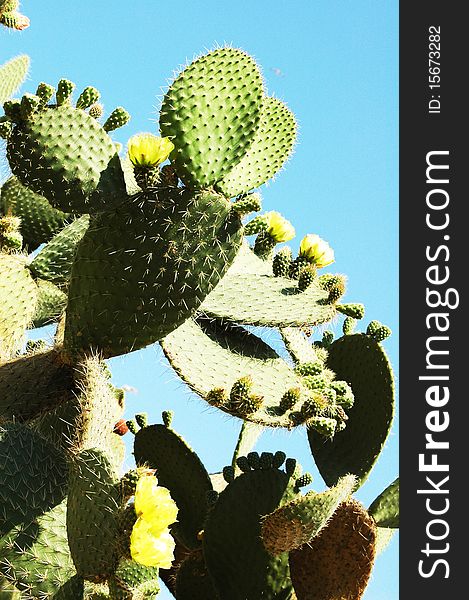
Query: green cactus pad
[[232, 353], [360, 361], [385, 509], [238, 563], [92, 506], [143, 269], [12, 75], [336, 564], [54, 261], [65, 155], [35, 557], [193, 581], [267, 301], [133, 581], [39, 221], [356, 311], [272, 145], [33, 476], [29, 385], [179, 469], [299, 521], [18, 298], [211, 112], [249, 294], [86, 419], [50, 305]]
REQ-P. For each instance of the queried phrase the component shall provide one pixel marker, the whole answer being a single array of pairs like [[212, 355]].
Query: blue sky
[[336, 65]]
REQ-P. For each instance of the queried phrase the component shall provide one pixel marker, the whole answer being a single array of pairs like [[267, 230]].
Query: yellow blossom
[[316, 250], [150, 550], [279, 228], [154, 504], [146, 149]]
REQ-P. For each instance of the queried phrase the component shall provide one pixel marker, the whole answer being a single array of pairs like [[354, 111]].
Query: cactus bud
[[118, 118], [356, 311], [132, 425], [378, 331], [228, 474], [253, 460], [243, 464], [64, 91], [96, 111], [167, 416], [349, 326], [307, 276], [45, 92], [290, 466], [282, 262], [266, 460], [247, 203], [142, 419], [89, 96]]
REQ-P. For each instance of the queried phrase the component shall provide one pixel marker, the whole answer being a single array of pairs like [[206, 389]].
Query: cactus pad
[[360, 361], [267, 301], [65, 155], [50, 304], [211, 112], [193, 581], [143, 269], [233, 353], [272, 145], [18, 298], [29, 385], [92, 524], [12, 75], [35, 557], [238, 563], [179, 469], [33, 476], [39, 221], [385, 509], [336, 564], [54, 261], [299, 521]]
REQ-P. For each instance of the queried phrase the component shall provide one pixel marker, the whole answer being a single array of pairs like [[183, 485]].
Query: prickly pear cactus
[[119, 252]]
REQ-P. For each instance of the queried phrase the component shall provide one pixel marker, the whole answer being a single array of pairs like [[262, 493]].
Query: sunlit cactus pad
[[212, 111]]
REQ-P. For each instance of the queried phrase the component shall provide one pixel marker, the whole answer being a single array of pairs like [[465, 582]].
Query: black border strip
[[434, 242]]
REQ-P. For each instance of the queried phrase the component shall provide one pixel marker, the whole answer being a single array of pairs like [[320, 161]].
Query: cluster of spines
[[305, 273], [240, 401], [19, 110]]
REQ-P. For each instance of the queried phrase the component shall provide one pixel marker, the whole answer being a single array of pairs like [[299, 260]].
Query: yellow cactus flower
[[154, 504], [316, 250], [279, 228], [148, 150], [150, 550]]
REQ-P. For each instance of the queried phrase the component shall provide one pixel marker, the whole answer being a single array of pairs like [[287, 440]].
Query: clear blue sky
[[336, 64]]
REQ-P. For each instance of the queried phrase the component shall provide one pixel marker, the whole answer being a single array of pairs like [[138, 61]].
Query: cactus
[[120, 252]]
